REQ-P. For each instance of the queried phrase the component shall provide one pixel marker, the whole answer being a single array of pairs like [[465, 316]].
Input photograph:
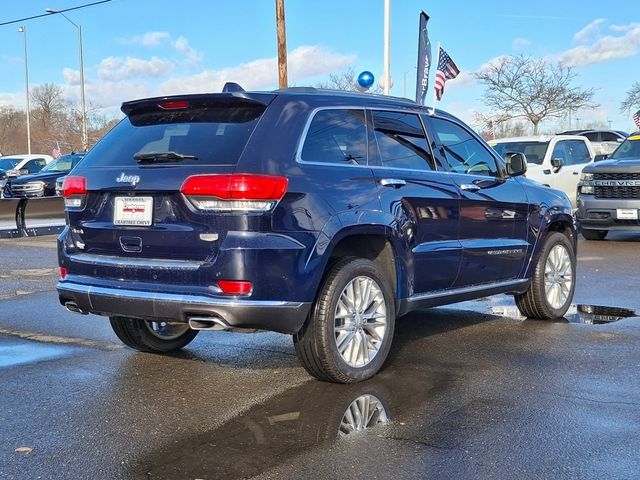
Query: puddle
[[586, 314], [22, 353]]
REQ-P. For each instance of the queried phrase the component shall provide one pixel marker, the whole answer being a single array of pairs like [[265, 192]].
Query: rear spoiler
[[198, 100]]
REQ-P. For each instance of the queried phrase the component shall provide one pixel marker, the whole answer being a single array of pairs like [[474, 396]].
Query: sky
[[138, 48]]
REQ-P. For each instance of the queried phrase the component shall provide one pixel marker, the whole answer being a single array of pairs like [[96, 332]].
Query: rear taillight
[[234, 192], [63, 273], [74, 190]]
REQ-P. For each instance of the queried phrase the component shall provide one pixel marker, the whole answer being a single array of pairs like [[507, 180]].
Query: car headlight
[[586, 177], [586, 189]]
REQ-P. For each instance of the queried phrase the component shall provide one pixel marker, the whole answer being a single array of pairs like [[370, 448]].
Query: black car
[[43, 183], [319, 214]]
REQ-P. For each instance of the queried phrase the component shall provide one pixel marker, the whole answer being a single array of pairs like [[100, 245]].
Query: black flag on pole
[[424, 60]]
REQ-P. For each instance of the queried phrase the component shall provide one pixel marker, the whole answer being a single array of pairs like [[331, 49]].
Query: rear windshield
[[214, 135], [628, 150], [534, 151]]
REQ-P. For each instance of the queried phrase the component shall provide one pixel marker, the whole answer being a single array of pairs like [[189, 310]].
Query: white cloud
[[304, 62], [607, 48], [520, 43], [118, 68], [193, 57], [587, 33], [71, 76], [15, 100], [465, 79], [149, 39]]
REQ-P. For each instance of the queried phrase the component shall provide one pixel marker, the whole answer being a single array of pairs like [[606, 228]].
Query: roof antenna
[[231, 87]]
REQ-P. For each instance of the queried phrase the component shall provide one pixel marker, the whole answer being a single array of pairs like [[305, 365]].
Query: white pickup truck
[[553, 160]]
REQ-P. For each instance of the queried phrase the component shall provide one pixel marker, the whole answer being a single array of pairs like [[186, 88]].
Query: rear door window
[[401, 141], [336, 136], [214, 135]]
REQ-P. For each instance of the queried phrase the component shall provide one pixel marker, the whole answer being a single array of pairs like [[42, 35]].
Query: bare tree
[[518, 86], [632, 100], [347, 80], [48, 102], [496, 126]]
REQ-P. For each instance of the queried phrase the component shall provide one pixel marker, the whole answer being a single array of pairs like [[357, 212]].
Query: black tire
[[594, 234], [137, 334], [316, 343], [534, 303]]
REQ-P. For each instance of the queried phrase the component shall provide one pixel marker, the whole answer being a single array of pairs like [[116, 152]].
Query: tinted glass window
[[8, 163], [609, 137], [534, 151], [216, 136], [336, 136], [35, 165], [560, 151], [464, 153], [578, 152], [593, 136], [401, 141], [629, 149]]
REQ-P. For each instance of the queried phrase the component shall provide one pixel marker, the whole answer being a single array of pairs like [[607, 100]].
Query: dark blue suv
[[320, 214]]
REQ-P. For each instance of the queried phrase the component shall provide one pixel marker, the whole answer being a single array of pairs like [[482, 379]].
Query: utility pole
[[282, 45]]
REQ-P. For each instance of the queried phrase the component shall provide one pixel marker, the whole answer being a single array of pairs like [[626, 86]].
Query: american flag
[[636, 119], [55, 152], [447, 70]]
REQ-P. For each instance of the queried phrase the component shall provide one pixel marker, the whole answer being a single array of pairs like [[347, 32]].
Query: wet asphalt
[[469, 391]]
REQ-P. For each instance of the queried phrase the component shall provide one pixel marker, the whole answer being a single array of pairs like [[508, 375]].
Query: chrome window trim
[[418, 112]]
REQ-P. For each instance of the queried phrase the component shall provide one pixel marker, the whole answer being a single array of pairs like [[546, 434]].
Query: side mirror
[[599, 158], [557, 164], [619, 140], [516, 164]]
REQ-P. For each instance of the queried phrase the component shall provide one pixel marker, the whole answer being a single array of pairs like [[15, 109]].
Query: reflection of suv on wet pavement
[[609, 193], [323, 215]]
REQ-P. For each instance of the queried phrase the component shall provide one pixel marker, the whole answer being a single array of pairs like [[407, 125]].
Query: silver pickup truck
[[609, 192]]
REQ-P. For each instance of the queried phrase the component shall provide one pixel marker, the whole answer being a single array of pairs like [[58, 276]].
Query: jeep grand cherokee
[[323, 215]]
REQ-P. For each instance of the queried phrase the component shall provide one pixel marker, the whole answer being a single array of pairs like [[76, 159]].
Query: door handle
[[392, 182], [469, 187], [576, 173]]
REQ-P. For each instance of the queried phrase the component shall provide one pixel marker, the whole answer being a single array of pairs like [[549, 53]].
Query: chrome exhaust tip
[[74, 308], [208, 323]]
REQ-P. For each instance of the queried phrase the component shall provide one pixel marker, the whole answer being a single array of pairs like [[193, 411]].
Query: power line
[[57, 11]]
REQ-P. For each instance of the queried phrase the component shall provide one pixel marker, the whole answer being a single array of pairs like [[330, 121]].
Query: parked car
[[15, 165], [553, 160], [609, 193], [319, 214], [43, 183], [604, 142]]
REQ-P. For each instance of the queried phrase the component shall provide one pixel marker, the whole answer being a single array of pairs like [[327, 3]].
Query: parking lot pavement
[[465, 394]]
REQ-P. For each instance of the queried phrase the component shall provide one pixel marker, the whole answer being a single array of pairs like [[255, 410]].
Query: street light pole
[[23, 30], [85, 141], [387, 30]]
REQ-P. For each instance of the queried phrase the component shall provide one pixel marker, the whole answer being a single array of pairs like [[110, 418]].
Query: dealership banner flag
[[424, 60]]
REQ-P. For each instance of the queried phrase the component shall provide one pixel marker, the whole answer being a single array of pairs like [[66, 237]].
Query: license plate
[[627, 214], [134, 211]]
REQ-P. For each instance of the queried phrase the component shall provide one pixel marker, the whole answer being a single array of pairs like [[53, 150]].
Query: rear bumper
[[277, 316], [601, 214]]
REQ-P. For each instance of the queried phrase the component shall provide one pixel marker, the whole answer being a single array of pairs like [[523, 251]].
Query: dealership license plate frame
[[133, 211], [627, 214]]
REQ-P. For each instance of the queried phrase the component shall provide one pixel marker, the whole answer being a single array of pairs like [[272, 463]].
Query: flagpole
[[433, 105]]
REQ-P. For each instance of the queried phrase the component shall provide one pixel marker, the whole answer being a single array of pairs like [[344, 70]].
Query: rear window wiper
[[141, 157]]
